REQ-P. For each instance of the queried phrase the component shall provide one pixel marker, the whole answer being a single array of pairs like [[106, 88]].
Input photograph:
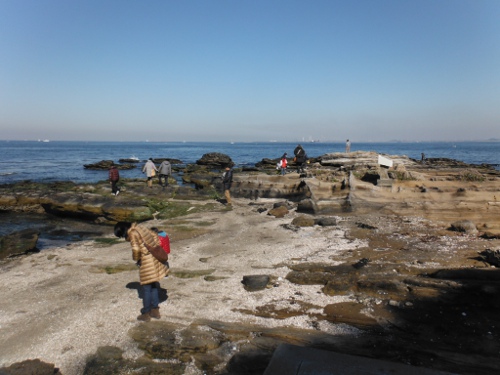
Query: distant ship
[[44, 140]]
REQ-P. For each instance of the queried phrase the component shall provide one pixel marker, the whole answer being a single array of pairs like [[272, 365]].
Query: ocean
[[48, 161]]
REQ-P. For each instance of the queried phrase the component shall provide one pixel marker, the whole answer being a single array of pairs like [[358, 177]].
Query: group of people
[[143, 240], [300, 159], [164, 171]]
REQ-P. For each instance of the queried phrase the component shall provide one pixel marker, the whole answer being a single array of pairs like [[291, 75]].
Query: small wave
[[7, 173]]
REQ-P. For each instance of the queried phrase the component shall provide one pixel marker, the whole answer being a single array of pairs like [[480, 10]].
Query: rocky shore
[[396, 262]]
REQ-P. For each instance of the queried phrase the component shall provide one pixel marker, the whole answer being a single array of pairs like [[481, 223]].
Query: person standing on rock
[[114, 177], [347, 146], [150, 170], [300, 158], [164, 172], [151, 271], [283, 164], [227, 180]]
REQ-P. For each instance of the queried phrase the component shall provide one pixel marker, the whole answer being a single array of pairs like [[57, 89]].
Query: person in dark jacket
[[164, 171], [300, 158], [227, 180], [114, 177], [151, 270]]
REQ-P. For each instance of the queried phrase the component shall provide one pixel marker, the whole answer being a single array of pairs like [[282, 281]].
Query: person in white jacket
[[150, 170]]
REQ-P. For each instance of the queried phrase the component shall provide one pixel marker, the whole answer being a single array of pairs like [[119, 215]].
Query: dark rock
[[104, 165], [326, 221], [254, 283], [361, 263], [31, 367], [215, 159], [464, 226], [18, 243], [249, 362], [491, 256], [129, 160], [490, 235], [365, 226], [307, 206]]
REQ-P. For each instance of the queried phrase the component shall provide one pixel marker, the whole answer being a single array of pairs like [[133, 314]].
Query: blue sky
[[250, 70]]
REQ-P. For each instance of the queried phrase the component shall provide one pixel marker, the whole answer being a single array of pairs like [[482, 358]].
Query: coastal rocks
[[30, 366], [360, 159], [129, 160], [215, 160], [106, 164], [18, 243], [491, 256], [254, 283]]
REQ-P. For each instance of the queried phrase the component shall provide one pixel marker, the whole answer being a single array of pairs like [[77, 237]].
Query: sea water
[[64, 160]]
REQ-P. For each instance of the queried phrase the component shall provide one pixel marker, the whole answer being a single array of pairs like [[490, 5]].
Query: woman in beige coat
[[151, 271]]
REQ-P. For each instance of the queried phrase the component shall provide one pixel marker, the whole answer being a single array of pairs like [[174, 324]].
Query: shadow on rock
[[162, 292]]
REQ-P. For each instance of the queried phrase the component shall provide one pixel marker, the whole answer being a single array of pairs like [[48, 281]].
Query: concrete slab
[[296, 360]]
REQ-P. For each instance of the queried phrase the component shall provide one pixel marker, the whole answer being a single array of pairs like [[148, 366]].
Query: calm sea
[[63, 160]]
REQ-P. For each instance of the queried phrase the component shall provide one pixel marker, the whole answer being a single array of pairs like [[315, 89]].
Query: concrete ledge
[[296, 360]]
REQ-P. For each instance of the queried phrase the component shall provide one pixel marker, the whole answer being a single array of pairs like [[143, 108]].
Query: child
[[164, 241]]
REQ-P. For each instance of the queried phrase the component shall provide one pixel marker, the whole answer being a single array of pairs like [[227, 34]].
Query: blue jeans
[[150, 298]]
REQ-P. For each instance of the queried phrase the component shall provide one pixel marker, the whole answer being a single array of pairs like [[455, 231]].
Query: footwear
[[155, 313], [146, 317], [117, 192]]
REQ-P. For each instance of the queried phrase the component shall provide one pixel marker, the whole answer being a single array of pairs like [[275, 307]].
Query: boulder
[[464, 226], [303, 221], [254, 283], [278, 212], [216, 160], [30, 366], [104, 165], [18, 243]]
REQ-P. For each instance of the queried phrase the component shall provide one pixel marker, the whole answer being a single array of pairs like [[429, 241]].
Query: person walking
[[151, 270], [347, 146], [114, 177], [227, 180], [164, 172], [150, 170], [283, 164]]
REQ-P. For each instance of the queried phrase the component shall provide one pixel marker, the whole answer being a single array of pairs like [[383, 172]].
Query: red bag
[[165, 243]]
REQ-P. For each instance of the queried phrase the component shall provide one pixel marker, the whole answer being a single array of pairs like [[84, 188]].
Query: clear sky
[[250, 70]]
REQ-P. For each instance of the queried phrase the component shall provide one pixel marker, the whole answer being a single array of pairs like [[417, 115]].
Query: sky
[[250, 70]]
